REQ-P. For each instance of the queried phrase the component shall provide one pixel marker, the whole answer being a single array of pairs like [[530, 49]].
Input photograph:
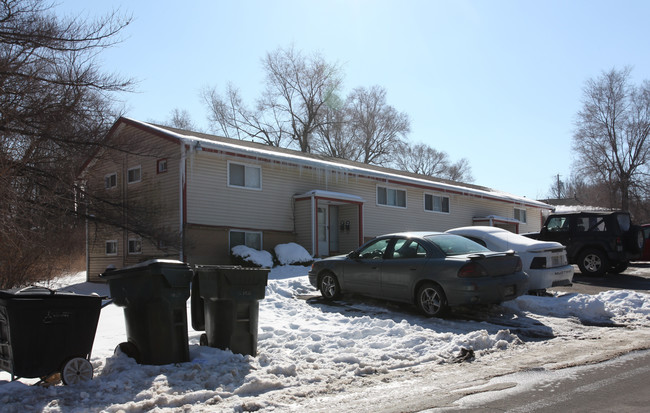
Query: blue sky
[[497, 82]]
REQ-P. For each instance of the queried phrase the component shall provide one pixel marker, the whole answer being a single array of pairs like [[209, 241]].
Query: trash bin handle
[[35, 287]]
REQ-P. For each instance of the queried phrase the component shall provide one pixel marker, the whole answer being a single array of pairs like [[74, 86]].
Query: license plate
[[509, 290]]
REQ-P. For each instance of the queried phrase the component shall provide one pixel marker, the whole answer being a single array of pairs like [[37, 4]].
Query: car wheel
[[592, 262], [431, 300], [329, 286], [618, 268]]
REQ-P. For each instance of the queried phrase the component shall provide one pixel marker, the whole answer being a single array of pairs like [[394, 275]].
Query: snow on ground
[[354, 355]]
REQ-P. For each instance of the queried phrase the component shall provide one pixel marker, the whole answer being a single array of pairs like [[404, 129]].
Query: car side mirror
[[353, 254]]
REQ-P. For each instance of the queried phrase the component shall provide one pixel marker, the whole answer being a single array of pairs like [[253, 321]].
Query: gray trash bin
[[154, 296], [225, 304]]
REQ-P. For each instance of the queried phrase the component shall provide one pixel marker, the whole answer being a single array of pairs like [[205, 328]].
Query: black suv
[[598, 242]]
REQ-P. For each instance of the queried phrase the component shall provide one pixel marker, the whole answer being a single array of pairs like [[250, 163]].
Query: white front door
[[323, 231]]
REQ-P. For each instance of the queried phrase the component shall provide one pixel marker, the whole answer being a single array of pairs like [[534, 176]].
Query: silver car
[[545, 262], [432, 270]]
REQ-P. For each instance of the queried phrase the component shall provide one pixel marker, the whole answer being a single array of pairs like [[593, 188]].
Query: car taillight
[[538, 263], [470, 270], [619, 244]]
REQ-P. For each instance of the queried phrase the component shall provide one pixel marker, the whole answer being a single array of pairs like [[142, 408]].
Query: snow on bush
[[292, 253], [258, 258]]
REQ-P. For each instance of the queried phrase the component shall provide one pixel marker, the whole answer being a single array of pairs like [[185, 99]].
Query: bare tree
[[181, 119], [423, 159], [291, 107], [55, 105], [459, 171], [333, 137], [230, 117], [611, 135], [376, 127]]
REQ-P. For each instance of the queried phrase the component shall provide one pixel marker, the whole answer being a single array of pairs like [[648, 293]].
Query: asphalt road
[[636, 277], [619, 385]]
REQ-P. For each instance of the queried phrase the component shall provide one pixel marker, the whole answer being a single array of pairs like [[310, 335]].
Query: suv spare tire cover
[[634, 239]]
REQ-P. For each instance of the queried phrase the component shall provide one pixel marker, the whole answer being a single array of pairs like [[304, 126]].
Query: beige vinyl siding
[[156, 194], [211, 202], [303, 213]]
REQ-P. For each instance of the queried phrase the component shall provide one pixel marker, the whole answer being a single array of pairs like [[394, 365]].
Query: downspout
[[87, 247], [181, 193], [314, 217]]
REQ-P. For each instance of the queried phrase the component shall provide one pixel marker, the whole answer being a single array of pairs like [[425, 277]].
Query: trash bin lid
[[36, 291], [177, 273]]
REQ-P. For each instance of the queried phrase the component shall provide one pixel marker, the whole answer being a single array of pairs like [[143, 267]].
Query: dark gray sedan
[[432, 270]]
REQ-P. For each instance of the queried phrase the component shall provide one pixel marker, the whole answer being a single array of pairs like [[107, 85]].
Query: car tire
[[329, 286], [593, 262], [431, 300]]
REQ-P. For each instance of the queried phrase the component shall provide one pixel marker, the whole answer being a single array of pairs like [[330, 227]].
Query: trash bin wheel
[[203, 340], [130, 349], [76, 370]]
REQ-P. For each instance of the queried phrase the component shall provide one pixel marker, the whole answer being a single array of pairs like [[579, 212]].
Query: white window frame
[[134, 239], [161, 166], [107, 182], [247, 167], [388, 188], [433, 196], [246, 232], [521, 210], [111, 241], [128, 174]]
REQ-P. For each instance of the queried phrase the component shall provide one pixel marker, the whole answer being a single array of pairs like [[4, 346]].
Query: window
[[559, 224], [135, 246], [134, 174], [244, 176], [161, 166], [436, 203], [520, 214], [111, 247], [250, 239], [406, 248], [391, 197], [110, 181], [375, 250]]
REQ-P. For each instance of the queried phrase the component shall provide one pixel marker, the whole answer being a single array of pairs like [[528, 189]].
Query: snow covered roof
[[282, 155]]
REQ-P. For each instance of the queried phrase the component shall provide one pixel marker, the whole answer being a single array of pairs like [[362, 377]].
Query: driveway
[[636, 277]]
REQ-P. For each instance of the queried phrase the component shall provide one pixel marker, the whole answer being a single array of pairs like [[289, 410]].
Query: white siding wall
[[210, 201]]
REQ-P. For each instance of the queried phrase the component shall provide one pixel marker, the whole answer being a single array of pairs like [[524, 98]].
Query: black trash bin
[[45, 332], [154, 296], [225, 304]]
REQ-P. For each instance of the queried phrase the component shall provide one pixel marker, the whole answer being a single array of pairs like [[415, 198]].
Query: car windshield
[[456, 245]]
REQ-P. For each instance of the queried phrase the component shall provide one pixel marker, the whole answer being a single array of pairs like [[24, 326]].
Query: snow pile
[[585, 307], [262, 259], [319, 356], [292, 253]]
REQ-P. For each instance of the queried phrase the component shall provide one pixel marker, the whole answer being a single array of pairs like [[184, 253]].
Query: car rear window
[[456, 245], [624, 222]]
